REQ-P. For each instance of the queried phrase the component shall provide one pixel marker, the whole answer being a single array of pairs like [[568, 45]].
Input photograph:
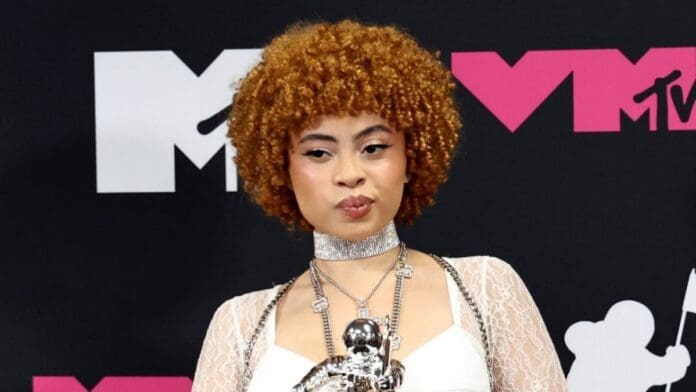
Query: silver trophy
[[366, 367]]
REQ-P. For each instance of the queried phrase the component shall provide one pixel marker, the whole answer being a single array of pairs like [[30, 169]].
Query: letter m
[[147, 102], [604, 84], [512, 93]]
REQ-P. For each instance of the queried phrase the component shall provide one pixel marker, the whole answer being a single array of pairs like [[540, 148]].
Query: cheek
[[306, 183], [394, 168], [391, 173], [302, 175], [389, 177]]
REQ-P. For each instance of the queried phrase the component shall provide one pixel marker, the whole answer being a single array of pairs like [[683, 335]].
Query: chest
[[426, 313]]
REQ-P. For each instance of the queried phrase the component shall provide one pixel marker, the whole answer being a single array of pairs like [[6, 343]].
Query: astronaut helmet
[[362, 338]]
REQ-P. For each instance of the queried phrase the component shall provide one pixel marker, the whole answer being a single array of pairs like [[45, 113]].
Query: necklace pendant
[[319, 305], [395, 342], [364, 312], [405, 270]]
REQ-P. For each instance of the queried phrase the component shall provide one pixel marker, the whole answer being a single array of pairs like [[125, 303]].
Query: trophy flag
[[690, 297], [689, 305]]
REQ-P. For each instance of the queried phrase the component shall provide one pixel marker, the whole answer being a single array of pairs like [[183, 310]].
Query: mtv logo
[[113, 384], [147, 102]]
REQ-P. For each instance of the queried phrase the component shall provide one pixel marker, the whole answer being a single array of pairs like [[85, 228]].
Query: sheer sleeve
[[523, 355], [221, 361]]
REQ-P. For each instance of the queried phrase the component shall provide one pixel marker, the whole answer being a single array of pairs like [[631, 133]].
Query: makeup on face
[[320, 145], [348, 174]]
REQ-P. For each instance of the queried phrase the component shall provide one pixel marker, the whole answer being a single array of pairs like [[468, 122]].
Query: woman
[[346, 130]]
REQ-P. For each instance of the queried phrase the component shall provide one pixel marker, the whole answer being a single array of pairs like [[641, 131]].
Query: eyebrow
[[329, 138]]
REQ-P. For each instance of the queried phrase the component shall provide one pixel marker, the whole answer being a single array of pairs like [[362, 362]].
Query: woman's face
[[348, 174]]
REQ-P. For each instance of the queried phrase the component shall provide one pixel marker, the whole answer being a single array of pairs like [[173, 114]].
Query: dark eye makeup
[[315, 153], [369, 149], [373, 148]]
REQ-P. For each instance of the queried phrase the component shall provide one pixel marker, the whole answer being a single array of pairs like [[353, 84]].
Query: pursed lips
[[354, 201]]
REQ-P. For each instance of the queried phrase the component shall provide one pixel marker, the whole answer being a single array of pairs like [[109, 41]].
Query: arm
[[219, 364], [671, 367], [524, 358]]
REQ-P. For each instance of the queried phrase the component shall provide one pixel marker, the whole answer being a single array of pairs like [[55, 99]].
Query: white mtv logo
[[612, 354], [147, 102]]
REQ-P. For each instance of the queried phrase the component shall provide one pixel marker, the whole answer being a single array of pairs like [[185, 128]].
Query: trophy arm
[[393, 377], [321, 374]]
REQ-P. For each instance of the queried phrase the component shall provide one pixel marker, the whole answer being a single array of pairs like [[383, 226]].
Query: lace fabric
[[523, 355]]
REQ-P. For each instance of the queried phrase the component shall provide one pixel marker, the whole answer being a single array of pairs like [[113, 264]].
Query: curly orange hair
[[342, 68]]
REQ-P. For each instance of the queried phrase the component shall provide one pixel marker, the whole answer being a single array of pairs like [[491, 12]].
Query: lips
[[355, 206], [354, 201]]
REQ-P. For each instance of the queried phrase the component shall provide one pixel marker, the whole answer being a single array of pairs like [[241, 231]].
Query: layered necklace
[[336, 249]]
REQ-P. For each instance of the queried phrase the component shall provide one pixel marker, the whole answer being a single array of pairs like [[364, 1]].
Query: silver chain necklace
[[248, 351], [321, 304], [363, 309]]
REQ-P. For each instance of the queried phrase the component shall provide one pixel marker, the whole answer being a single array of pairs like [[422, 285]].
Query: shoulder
[[250, 297], [246, 306], [487, 275], [477, 259], [489, 267]]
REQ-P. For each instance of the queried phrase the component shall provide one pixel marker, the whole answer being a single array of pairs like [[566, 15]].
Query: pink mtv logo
[[113, 384], [605, 82]]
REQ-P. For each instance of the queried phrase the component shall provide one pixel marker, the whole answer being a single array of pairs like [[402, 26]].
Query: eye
[[316, 154], [375, 148]]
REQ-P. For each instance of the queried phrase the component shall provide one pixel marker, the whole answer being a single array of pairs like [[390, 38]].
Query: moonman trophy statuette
[[366, 367]]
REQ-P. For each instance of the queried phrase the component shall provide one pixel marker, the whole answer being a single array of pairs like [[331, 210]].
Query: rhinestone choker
[[330, 247]]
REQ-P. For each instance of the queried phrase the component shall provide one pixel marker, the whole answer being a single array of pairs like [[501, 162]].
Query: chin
[[355, 231]]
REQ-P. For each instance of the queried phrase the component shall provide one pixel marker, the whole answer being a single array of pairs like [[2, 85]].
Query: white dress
[[523, 355]]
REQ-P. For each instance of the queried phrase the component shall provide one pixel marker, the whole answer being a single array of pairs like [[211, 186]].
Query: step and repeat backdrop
[[123, 224]]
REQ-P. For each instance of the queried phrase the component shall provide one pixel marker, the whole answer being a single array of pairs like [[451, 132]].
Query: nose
[[349, 171]]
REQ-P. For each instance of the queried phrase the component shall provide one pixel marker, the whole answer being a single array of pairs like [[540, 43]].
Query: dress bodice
[[522, 353], [454, 360]]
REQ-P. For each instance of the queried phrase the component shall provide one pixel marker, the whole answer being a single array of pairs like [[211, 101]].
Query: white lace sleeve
[[220, 363], [523, 355]]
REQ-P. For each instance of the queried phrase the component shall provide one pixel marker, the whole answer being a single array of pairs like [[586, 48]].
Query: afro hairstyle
[[342, 68]]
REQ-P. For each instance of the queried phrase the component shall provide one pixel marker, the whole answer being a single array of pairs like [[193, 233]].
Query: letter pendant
[[405, 270], [319, 305], [364, 312]]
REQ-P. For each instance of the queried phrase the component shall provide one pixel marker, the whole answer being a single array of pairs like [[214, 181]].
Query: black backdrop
[[111, 284]]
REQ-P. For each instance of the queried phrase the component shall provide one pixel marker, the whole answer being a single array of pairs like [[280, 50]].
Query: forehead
[[329, 123]]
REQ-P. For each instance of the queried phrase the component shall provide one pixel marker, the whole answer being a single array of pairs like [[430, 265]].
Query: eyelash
[[311, 153]]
